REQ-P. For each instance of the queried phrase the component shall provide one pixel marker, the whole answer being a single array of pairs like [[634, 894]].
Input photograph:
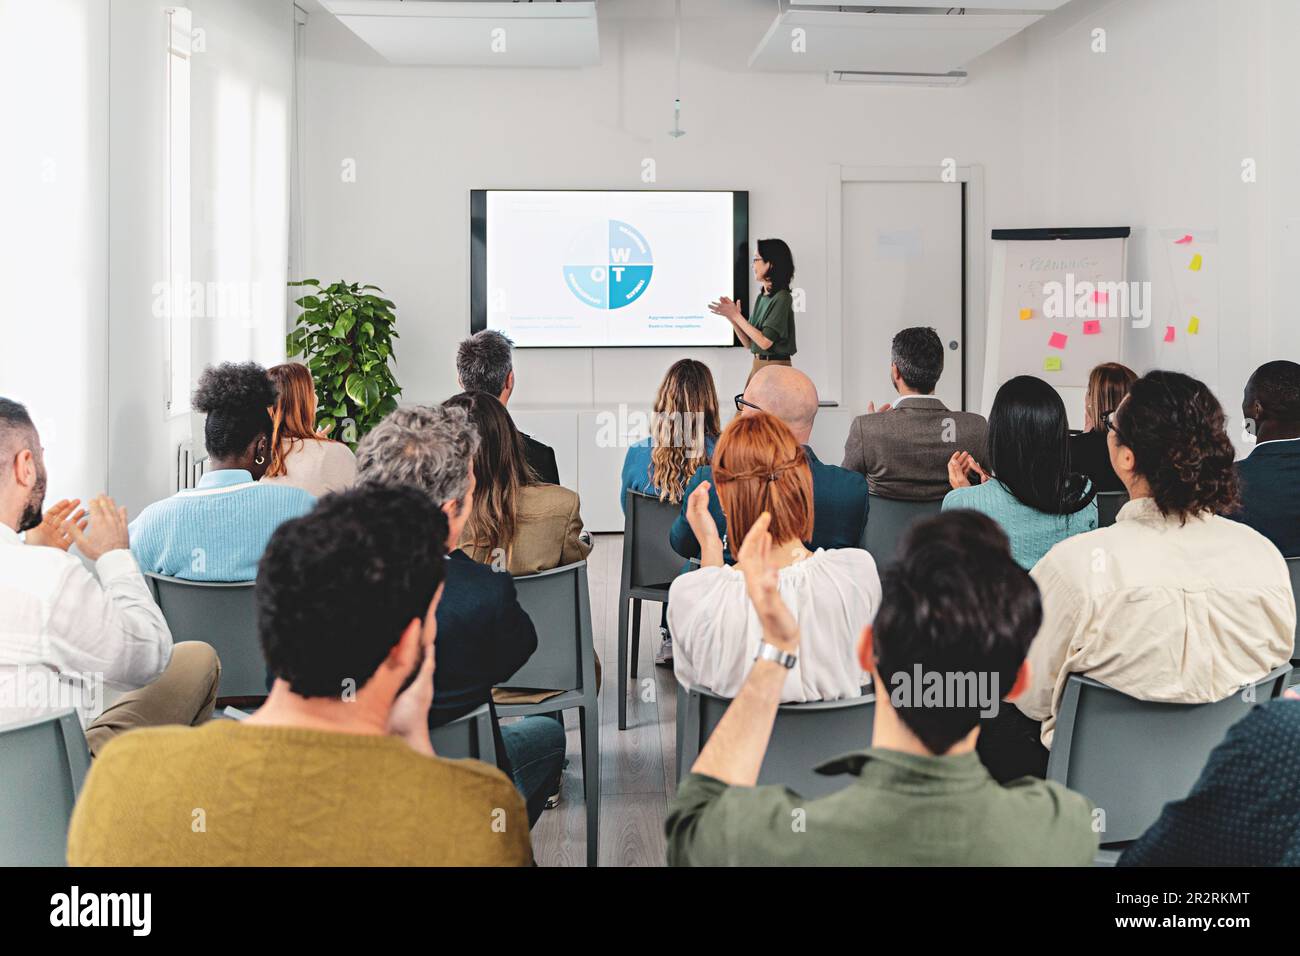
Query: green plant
[[346, 335]]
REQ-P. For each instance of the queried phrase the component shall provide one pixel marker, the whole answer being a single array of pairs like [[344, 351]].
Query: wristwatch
[[770, 652]]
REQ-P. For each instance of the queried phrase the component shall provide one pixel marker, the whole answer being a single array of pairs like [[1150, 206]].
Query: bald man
[[839, 495]]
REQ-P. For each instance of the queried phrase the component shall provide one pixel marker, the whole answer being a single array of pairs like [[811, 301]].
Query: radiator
[[191, 463]]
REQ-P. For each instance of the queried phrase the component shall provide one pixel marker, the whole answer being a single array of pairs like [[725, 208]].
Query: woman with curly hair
[[1172, 603], [301, 456], [218, 530], [684, 428]]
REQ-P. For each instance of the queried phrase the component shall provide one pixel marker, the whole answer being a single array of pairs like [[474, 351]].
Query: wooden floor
[[637, 764]]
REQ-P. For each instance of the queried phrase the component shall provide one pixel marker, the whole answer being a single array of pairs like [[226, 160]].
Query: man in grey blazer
[[904, 449]]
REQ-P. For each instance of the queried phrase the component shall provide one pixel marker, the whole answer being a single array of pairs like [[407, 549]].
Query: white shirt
[[716, 632], [1162, 611], [62, 629]]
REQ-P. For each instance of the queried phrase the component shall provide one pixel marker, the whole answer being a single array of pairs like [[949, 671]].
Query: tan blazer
[[547, 536], [904, 451]]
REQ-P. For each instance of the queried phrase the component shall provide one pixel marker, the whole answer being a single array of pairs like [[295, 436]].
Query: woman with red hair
[[301, 456], [759, 468]]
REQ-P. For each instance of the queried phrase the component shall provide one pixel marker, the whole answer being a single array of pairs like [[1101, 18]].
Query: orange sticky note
[[1194, 326], [1092, 327], [1195, 264], [1057, 341], [1051, 364], [1169, 333], [1183, 241], [1026, 314]]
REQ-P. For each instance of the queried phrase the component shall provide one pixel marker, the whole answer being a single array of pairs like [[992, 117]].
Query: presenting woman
[[769, 332]]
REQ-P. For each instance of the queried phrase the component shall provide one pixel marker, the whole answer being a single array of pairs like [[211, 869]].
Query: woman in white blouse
[[760, 467], [301, 456]]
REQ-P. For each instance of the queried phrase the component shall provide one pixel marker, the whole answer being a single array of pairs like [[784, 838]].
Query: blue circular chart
[[612, 265]]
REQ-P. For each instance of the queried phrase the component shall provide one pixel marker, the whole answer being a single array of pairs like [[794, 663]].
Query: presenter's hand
[[727, 308]]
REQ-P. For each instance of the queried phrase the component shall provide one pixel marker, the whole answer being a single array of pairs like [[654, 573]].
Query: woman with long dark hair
[[300, 455], [1028, 487], [769, 331], [517, 523]]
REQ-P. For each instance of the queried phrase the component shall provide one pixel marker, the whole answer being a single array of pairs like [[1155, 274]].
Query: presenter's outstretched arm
[[730, 309]]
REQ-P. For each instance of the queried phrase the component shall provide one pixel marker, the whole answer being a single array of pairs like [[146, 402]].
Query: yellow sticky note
[[1195, 264], [1194, 326], [1051, 364], [1026, 314]]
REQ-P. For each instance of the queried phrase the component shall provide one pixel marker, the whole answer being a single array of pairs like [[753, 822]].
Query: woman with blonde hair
[[516, 523], [1108, 383], [683, 431], [760, 468], [301, 456]]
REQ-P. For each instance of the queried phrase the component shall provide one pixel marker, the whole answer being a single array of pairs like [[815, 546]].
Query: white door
[[902, 262]]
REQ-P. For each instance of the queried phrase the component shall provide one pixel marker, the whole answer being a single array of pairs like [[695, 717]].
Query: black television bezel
[[740, 269]]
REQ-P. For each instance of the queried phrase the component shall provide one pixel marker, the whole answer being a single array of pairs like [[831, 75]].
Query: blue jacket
[[636, 469], [839, 509], [1270, 493]]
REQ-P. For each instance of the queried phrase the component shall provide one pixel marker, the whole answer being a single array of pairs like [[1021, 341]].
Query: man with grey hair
[[484, 636], [485, 363]]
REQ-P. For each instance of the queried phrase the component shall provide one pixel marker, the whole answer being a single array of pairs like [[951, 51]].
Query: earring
[[259, 460]]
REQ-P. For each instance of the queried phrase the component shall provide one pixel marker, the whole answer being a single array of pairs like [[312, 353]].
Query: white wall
[[241, 87], [53, 242], [422, 137], [1151, 134]]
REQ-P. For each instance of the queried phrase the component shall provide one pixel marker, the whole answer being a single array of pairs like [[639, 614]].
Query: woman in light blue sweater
[[218, 530], [1029, 489]]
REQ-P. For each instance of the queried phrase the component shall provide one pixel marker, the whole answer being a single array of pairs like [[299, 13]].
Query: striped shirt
[[217, 531]]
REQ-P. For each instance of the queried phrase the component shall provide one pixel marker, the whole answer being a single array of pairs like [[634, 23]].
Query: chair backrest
[[649, 560], [43, 763], [468, 736], [225, 616], [1293, 565], [888, 520], [1108, 505], [804, 736], [558, 603], [1130, 757]]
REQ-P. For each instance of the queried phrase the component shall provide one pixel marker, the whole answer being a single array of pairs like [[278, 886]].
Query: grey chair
[[43, 763], [804, 736], [468, 736], [888, 520], [565, 660], [649, 566], [1130, 757], [1108, 505], [225, 616]]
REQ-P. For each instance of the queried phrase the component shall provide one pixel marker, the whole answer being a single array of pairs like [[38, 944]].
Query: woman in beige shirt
[[517, 523], [301, 456], [1173, 602]]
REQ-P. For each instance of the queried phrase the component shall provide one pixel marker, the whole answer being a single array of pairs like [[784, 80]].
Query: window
[[176, 285]]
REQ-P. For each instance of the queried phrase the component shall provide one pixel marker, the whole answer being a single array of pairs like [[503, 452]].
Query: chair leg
[[636, 635], [590, 731], [622, 662]]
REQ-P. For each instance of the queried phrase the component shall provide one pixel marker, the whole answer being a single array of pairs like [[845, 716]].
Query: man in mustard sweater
[[336, 768]]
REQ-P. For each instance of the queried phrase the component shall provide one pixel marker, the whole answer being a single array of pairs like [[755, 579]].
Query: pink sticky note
[[1101, 297], [1057, 341], [1092, 327], [1183, 241], [1169, 333]]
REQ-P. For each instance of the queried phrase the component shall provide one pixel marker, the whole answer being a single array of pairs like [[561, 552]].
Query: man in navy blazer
[[1270, 474], [839, 496]]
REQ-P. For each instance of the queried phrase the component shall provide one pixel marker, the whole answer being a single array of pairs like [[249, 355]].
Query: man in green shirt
[[955, 606]]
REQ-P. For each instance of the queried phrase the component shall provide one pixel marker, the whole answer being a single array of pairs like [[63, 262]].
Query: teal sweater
[[1032, 533], [216, 531]]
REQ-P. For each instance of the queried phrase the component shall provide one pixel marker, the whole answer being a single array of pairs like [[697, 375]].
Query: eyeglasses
[[741, 404], [1111, 424]]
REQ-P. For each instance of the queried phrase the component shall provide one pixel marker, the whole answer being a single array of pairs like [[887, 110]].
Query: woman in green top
[[769, 332]]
